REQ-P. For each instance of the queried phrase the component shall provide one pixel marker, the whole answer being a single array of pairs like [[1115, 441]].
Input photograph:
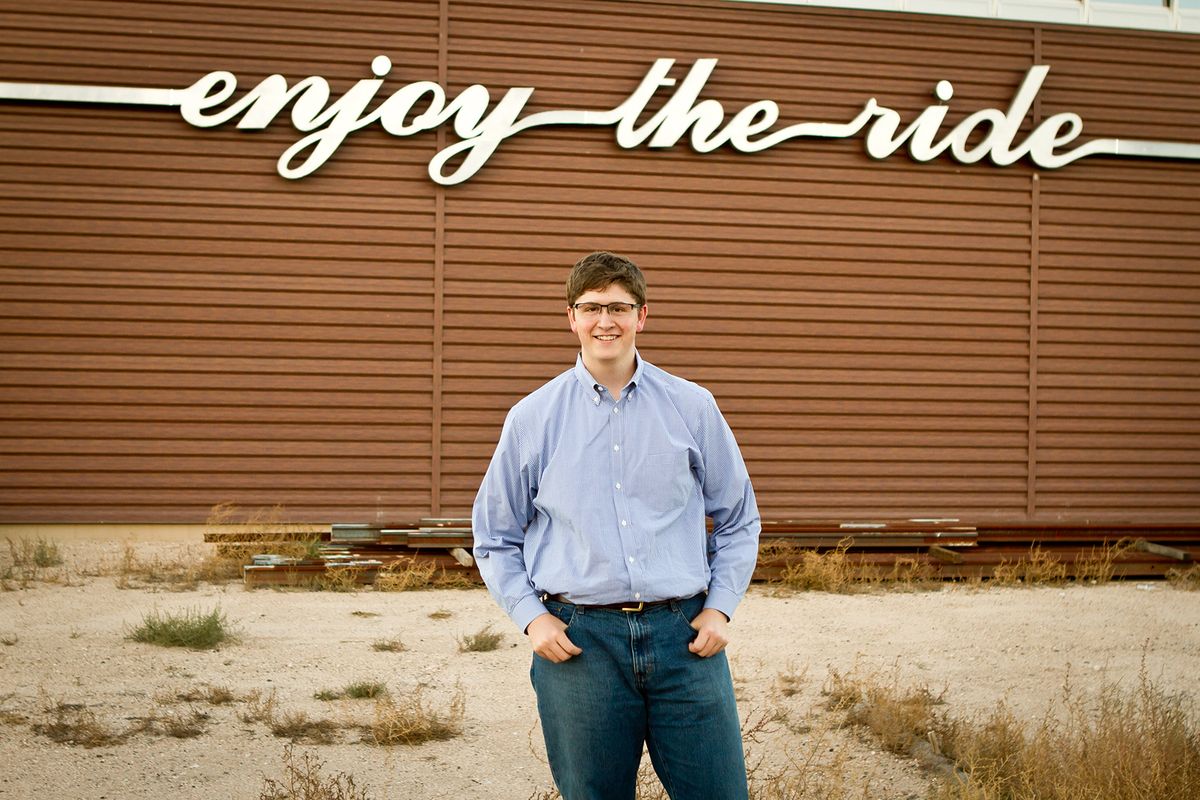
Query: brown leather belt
[[631, 607]]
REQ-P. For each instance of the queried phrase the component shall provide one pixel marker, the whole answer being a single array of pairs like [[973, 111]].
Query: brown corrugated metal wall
[[181, 327]]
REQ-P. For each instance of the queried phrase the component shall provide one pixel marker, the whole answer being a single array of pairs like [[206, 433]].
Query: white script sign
[[481, 127]]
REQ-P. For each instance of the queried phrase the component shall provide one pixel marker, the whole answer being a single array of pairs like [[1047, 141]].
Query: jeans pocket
[[679, 614], [565, 612]]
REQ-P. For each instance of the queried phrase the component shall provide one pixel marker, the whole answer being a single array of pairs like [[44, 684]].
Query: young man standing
[[590, 533]]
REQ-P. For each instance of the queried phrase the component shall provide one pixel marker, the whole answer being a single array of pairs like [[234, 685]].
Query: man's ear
[[571, 318], [641, 323]]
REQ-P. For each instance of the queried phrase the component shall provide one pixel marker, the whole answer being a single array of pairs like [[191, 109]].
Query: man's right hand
[[548, 636]]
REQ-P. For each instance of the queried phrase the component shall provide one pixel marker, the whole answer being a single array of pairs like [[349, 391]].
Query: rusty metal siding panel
[[180, 326], [1119, 357]]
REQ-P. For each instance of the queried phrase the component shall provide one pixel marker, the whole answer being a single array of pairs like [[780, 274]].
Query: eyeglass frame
[[605, 307]]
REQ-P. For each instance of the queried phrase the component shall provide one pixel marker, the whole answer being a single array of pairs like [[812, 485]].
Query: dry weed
[[176, 723], [791, 680], [360, 690], [484, 640], [298, 726], [411, 720], [31, 560], [213, 695], [304, 781], [1121, 744], [1099, 564], [827, 572], [1038, 567], [410, 574], [75, 723], [1186, 579], [898, 717], [260, 708], [340, 578], [185, 572], [393, 645]]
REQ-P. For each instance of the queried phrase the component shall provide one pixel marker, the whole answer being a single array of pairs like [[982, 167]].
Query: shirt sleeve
[[503, 510], [729, 500]]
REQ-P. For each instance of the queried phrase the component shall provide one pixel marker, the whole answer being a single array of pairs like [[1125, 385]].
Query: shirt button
[[631, 559], [637, 595], [623, 524], [616, 411], [595, 401], [616, 447], [618, 486]]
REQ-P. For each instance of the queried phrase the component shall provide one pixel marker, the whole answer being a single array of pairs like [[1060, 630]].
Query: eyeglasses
[[592, 310]]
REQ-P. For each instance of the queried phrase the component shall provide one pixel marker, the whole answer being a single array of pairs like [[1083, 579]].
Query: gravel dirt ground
[[64, 643]]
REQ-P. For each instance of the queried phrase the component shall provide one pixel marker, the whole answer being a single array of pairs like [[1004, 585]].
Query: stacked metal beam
[[938, 548]]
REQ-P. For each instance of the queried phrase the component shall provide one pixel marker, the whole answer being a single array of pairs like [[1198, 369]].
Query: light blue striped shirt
[[605, 502]]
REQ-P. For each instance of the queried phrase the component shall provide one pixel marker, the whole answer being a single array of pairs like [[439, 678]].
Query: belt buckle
[[634, 609]]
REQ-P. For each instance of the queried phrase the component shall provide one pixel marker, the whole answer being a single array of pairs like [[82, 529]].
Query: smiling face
[[607, 341]]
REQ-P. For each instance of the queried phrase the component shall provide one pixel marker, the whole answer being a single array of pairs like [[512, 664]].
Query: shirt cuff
[[722, 600], [526, 610]]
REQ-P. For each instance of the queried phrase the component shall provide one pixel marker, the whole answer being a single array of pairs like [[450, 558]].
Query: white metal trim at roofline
[[1100, 13]]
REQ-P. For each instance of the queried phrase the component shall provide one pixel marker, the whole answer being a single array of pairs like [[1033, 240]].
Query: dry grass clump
[[1099, 565], [191, 628], [393, 645], [359, 690], [409, 574], [182, 573], [1121, 744], [1186, 579], [1038, 567], [303, 780], [213, 695], [298, 726], [28, 560], [790, 681], [176, 723], [441, 613], [243, 534], [898, 717], [411, 720], [340, 578], [806, 569], [813, 571], [76, 724], [38, 552], [260, 707], [483, 640]]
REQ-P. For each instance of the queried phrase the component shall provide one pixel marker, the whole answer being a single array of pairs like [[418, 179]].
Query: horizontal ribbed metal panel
[[182, 327], [1118, 389]]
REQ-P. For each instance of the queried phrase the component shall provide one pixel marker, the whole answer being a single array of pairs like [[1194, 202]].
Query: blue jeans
[[636, 682]]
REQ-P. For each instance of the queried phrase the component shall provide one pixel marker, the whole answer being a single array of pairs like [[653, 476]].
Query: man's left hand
[[713, 627]]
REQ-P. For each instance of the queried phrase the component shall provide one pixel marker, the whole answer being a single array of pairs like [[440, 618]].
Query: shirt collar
[[589, 383]]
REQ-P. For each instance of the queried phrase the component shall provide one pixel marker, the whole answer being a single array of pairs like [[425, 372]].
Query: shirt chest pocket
[[663, 482]]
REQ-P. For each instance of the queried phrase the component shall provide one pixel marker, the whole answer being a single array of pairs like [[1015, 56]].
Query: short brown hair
[[602, 269]]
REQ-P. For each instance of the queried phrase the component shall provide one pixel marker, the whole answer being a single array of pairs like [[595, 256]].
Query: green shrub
[[192, 628]]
